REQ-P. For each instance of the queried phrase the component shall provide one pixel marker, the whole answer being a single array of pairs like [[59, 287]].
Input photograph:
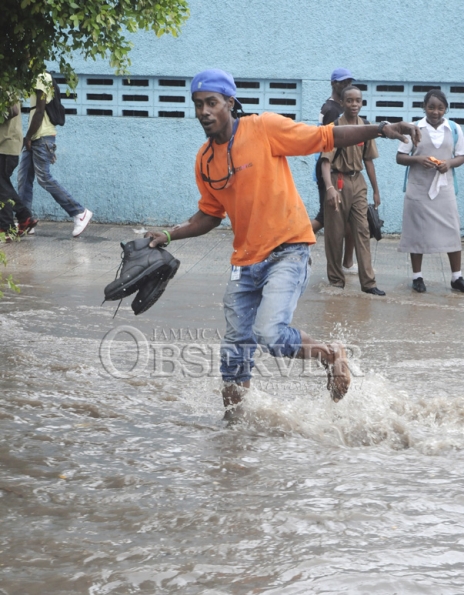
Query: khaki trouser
[[352, 209]]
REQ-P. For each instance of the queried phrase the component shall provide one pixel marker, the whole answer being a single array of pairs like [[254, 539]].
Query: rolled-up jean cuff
[[240, 379], [235, 367], [288, 345]]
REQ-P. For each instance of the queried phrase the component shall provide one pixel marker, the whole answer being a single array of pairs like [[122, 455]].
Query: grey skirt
[[430, 226]]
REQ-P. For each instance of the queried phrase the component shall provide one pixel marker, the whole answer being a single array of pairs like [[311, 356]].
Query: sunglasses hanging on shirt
[[226, 181]]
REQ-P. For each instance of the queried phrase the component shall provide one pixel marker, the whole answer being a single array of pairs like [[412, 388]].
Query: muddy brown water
[[133, 483]]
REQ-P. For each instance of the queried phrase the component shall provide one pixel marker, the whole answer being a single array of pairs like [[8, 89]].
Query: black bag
[[54, 108], [375, 223]]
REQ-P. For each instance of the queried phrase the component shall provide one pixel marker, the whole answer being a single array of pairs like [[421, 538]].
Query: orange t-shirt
[[262, 201]]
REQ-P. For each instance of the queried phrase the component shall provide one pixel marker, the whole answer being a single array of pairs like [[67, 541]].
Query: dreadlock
[[237, 110]]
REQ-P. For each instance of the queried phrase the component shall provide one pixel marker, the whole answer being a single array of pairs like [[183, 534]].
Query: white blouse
[[436, 135]]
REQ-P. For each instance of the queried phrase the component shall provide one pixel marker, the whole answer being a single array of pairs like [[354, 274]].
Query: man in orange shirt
[[242, 171]]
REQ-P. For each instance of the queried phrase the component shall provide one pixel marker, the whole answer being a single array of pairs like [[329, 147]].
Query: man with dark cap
[[330, 111], [332, 108], [242, 171]]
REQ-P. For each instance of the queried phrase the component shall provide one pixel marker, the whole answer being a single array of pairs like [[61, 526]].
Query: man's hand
[[27, 143], [159, 238], [399, 129], [197, 225], [333, 198], [376, 200]]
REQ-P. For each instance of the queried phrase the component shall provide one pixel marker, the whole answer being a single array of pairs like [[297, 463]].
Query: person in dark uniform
[[330, 111], [346, 197]]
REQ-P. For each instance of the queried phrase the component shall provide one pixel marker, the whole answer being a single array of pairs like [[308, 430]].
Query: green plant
[[33, 32], [6, 281]]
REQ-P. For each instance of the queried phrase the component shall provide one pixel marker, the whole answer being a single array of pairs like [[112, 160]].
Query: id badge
[[236, 273]]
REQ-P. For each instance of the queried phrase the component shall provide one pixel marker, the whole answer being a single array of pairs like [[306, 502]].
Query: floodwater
[[131, 482]]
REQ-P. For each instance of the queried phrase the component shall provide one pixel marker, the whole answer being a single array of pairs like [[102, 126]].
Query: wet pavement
[[118, 475], [72, 272]]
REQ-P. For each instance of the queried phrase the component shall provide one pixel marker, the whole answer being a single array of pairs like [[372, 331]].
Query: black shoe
[[153, 286], [138, 262], [419, 285], [458, 284], [374, 291]]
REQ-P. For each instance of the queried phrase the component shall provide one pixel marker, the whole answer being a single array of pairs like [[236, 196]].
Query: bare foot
[[232, 396], [234, 415], [338, 373], [333, 358]]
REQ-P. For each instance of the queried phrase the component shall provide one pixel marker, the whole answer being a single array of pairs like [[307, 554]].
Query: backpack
[[54, 108], [454, 130]]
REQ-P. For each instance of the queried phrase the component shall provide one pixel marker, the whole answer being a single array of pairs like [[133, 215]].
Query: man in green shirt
[[11, 140], [39, 154]]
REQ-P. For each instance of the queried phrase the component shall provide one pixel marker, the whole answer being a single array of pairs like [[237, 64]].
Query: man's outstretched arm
[[197, 225], [345, 136]]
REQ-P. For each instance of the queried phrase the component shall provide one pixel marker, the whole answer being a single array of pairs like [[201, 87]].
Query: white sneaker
[[353, 270], [81, 221]]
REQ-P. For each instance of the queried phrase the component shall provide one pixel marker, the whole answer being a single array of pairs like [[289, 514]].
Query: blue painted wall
[[141, 170]]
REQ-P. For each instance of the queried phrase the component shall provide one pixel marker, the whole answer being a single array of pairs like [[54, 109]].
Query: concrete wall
[[141, 170]]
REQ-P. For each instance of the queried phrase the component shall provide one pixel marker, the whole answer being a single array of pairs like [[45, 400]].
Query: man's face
[[213, 111], [340, 85]]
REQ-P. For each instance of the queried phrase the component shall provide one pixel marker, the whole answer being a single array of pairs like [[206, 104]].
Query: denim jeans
[[36, 162], [8, 194], [259, 308]]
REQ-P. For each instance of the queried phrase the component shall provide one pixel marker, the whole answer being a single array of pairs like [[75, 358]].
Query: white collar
[[424, 124]]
